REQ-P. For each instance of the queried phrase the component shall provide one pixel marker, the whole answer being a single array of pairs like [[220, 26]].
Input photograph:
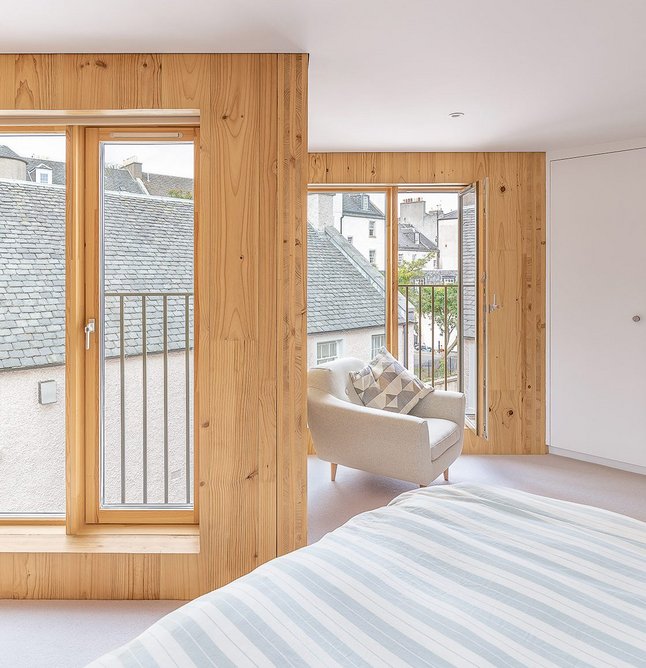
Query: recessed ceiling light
[[456, 114]]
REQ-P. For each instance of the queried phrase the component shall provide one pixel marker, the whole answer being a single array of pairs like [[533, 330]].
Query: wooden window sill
[[111, 540]]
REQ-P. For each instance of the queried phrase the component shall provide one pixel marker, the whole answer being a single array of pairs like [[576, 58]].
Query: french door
[[473, 306], [139, 325]]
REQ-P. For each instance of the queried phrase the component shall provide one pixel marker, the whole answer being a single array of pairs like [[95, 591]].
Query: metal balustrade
[[443, 366], [127, 336]]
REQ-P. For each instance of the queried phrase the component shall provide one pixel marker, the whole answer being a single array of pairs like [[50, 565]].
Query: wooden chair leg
[[446, 475], [333, 472]]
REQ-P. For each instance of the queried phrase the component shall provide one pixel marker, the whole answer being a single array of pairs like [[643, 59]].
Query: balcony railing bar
[[122, 381], [187, 374], [432, 338], [420, 287], [143, 296], [446, 336], [148, 294], [144, 398], [165, 326]]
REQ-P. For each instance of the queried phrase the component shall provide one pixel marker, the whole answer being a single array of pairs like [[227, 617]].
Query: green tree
[[412, 272], [180, 194]]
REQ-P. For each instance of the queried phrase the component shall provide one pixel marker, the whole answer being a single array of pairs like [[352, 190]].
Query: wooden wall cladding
[[250, 308], [516, 273]]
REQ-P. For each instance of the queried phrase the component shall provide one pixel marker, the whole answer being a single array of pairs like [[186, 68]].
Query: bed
[[451, 575]]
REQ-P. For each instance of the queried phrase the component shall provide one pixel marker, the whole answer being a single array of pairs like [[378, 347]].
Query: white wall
[[32, 436], [447, 241], [596, 363], [355, 343]]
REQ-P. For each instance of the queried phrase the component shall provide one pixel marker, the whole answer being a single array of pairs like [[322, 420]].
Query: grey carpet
[[334, 503], [67, 634]]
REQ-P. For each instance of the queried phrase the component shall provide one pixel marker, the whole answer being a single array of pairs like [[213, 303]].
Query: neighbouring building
[[149, 247], [346, 294]]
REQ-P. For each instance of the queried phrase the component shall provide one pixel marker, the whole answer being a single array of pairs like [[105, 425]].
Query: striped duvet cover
[[456, 575]]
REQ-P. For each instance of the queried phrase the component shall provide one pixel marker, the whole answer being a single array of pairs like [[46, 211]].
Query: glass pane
[[147, 334], [346, 252], [428, 263], [32, 325], [469, 304]]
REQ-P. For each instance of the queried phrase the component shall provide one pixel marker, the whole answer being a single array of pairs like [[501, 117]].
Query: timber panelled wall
[[250, 310], [515, 256]]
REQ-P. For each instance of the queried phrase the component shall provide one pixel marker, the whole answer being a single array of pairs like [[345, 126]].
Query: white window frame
[[378, 341], [372, 256], [47, 173], [332, 352], [351, 240], [372, 229]]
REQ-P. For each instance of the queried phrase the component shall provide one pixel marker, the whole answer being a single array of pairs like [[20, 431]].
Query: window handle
[[88, 329], [494, 306]]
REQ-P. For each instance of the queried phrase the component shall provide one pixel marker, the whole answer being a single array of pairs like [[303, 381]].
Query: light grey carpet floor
[[67, 634]]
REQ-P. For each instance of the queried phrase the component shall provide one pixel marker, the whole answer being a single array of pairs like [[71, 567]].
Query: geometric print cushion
[[388, 385]]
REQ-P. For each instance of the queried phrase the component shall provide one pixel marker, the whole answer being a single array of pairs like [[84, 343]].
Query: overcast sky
[[170, 158]]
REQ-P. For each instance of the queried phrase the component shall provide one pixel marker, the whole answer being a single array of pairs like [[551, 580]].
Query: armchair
[[416, 447]]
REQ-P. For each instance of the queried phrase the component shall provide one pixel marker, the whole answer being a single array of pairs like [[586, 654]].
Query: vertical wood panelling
[[249, 308], [516, 273], [292, 304], [268, 319]]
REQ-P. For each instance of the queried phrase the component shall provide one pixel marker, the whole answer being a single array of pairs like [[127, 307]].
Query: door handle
[[89, 329]]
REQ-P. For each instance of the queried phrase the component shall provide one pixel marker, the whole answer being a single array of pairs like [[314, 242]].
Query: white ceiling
[[385, 74]]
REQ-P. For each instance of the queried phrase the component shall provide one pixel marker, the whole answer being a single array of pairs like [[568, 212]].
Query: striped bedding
[[456, 575]]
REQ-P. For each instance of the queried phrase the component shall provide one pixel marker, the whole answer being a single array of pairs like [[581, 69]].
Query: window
[[378, 341], [32, 331], [133, 291], [400, 257], [350, 240], [327, 351], [365, 202], [145, 326], [372, 256], [371, 229], [44, 176]]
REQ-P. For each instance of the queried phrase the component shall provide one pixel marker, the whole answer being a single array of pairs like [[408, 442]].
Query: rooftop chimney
[[133, 166], [320, 211]]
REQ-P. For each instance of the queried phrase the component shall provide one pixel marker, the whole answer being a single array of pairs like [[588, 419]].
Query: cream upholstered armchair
[[416, 447]]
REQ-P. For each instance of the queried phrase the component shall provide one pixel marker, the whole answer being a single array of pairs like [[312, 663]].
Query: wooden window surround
[[86, 526]]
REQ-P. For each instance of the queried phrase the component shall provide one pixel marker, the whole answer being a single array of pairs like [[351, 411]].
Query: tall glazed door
[[473, 313], [140, 190]]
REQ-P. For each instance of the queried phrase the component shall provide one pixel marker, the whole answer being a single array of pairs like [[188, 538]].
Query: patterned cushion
[[388, 385]]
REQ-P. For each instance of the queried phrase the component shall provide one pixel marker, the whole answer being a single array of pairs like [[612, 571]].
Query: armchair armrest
[[442, 404]]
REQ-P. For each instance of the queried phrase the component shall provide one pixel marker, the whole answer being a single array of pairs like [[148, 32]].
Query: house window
[[365, 202], [350, 240], [378, 341], [401, 258], [372, 233], [44, 176], [372, 256], [327, 351]]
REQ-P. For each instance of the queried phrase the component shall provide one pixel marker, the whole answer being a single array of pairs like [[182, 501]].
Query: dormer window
[[365, 202], [43, 175]]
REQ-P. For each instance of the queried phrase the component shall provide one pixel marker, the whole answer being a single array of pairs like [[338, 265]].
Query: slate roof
[[407, 240], [149, 246], [450, 215], [352, 206], [163, 184], [344, 291], [6, 152]]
